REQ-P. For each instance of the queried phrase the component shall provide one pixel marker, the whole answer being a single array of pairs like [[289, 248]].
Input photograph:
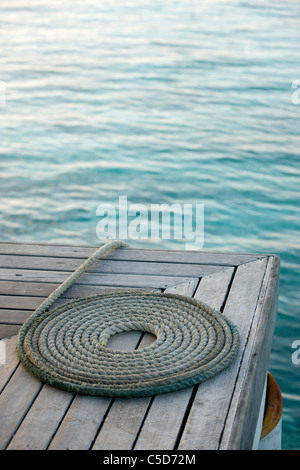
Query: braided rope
[[66, 347]]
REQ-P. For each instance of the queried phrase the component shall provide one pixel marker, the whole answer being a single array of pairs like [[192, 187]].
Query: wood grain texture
[[168, 411], [220, 413], [241, 421], [128, 254], [211, 414]]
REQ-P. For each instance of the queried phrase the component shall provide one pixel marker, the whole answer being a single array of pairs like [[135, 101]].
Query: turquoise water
[[161, 101]]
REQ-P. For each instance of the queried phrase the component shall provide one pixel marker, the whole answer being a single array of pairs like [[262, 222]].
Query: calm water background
[[162, 101]]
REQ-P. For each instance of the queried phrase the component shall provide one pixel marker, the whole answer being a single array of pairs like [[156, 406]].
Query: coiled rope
[[66, 346]]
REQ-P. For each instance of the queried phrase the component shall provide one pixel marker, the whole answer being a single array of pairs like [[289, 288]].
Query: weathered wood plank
[[41, 422], [36, 289], [185, 288], [123, 421], [214, 288], [39, 289], [10, 361], [120, 280], [8, 330], [15, 400], [211, 414], [14, 317], [164, 420], [129, 254], [242, 418], [107, 266], [19, 302], [81, 423]]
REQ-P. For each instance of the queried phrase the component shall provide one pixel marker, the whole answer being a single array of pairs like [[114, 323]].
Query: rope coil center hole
[[129, 340]]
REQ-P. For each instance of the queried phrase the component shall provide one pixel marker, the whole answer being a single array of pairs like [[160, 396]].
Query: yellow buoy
[[270, 438]]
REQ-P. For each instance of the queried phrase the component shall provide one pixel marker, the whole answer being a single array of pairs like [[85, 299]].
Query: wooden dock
[[221, 413]]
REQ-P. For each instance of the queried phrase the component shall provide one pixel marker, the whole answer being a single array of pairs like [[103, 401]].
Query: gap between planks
[[149, 431], [128, 254], [40, 403]]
